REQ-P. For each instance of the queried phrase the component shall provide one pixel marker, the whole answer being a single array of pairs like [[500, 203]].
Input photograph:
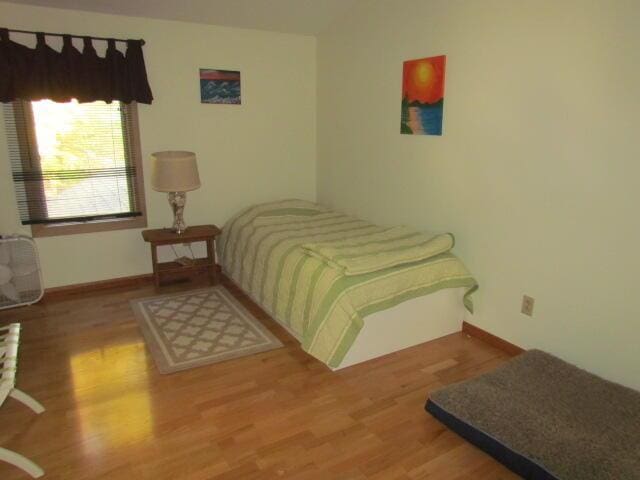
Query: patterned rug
[[200, 327]]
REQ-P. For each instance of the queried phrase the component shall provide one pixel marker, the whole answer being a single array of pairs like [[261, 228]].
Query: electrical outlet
[[527, 305]]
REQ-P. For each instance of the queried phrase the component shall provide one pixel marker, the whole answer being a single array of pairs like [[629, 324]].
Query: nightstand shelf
[[200, 264], [164, 236]]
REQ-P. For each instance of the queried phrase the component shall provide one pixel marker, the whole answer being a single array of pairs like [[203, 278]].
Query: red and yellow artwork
[[423, 96]]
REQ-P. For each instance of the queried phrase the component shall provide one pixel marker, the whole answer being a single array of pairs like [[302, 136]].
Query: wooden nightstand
[[164, 236]]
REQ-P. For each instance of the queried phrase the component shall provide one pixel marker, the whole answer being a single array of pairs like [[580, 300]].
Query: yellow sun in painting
[[424, 74], [423, 79]]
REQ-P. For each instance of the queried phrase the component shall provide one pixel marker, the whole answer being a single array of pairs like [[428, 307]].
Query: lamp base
[[178, 200]]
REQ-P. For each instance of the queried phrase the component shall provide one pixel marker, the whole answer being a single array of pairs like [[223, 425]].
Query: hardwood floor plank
[[277, 414]]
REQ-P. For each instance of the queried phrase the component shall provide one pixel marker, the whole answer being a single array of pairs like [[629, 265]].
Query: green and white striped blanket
[[377, 251], [321, 272]]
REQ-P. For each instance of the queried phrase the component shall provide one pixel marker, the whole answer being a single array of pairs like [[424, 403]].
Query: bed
[[347, 289]]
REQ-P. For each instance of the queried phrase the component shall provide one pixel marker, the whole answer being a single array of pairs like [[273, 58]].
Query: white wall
[[262, 150], [538, 170]]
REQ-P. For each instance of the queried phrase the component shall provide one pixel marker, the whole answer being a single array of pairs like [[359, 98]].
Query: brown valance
[[44, 73]]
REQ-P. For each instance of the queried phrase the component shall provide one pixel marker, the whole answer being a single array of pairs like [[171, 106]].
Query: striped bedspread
[[292, 257]]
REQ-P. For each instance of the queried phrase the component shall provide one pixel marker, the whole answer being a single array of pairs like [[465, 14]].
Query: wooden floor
[[278, 414]]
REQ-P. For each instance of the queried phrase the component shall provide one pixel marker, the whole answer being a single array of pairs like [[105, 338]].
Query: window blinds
[[73, 162]]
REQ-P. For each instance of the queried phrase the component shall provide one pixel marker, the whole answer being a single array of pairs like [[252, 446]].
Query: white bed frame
[[409, 323]]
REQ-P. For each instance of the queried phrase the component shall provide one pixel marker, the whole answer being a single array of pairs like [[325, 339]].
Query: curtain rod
[[48, 34]]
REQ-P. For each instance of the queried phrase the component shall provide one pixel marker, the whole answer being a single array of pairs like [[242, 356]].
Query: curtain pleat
[[138, 81], [17, 65], [118, 85], [71, 60], [44, 73], [92, 75]]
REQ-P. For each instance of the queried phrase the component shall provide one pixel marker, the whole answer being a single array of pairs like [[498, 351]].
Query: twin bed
[[348, 290]]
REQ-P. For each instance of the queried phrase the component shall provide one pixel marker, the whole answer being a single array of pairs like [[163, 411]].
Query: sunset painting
[[219, 86], [422, 96]]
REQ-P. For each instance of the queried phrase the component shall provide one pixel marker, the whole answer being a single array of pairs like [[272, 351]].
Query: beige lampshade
[[174, 171]]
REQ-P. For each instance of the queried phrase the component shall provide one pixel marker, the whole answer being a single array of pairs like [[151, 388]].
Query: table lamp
[[176, 173]]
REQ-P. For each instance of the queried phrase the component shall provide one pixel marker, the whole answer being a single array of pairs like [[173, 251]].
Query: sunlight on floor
[[111, 392]]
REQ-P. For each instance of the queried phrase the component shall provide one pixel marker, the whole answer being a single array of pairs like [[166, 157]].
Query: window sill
[[57, 229]]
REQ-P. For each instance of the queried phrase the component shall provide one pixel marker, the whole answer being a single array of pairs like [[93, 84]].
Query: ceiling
[[307, 17]]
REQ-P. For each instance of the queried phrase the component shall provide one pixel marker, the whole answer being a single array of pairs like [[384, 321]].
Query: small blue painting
[[219, 86]]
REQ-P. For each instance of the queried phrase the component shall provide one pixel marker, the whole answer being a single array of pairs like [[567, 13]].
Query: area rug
[[547, 420], [200, 327]]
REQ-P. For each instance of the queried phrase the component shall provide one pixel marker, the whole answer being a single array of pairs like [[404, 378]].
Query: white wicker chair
[[9, 341]]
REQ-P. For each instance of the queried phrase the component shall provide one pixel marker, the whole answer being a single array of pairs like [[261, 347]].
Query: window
[[76, 166]]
